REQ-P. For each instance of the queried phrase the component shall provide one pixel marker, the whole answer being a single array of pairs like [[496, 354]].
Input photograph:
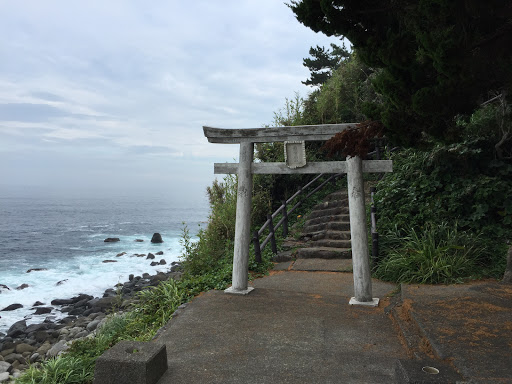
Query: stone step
[[326, 265], [333, 225], [323, 253], [330, 204], [343, 210], [328, 243], [325, 234], [340, 195], [343, 218]]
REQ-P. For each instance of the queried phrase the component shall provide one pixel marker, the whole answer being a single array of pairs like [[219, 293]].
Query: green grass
[[435, 254]]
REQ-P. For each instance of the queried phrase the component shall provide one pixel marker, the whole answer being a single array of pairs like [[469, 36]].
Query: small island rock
[[111, 240], [157, 238]]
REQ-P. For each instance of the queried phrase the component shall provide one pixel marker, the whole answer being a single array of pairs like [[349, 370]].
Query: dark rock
[[150, 256], [139, 240], [126, 291], [160, 253], [12, 307], [157, 238], [106, 302], [11, 358], [76, 311], [82, 303], [162, 262], [111, 240], [109, 261], [67, 320], [130, 278], [62, 302], [43, 310], [73, 300], [93, 325], [176, 268], [36, 270], [5, 287], [37, 327], [121, 254], [18, 328], [37, 304], [154, 263], [146, 275], [22, 286], [41, 336], [61, 282], [24, 347]]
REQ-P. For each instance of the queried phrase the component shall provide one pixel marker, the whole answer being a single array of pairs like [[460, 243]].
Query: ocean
[[64, 237]]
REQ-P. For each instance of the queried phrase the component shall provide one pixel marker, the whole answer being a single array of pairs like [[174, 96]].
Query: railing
[[259, 247]]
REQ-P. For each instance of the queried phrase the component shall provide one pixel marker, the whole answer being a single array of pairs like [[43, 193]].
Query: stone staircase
[[326, 232]]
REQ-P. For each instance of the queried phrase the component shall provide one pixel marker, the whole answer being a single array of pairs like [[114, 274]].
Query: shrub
[[461, 185]]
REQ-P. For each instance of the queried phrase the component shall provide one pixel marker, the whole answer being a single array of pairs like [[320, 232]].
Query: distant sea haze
[[63, 240]]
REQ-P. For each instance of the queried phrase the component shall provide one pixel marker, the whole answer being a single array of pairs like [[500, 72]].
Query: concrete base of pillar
[[233, 291], [373, 303]]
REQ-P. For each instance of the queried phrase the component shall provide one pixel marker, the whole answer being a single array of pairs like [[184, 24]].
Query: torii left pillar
[[243, 222]]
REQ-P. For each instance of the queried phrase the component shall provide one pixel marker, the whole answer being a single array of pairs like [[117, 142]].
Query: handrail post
[[272, 233], [375, 234], [257, 249], [285, 222]]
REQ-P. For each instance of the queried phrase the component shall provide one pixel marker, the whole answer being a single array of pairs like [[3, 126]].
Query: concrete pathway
[[295, 327], [467, 325]]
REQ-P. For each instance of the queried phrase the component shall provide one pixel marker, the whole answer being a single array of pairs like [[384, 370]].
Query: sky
[[109, 97]]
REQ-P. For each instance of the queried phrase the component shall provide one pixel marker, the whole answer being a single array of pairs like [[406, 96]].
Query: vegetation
[[323, 63], [433, 254], [437, 59]]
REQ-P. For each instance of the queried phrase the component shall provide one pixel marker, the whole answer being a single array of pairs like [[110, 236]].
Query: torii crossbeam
[[354, 167]]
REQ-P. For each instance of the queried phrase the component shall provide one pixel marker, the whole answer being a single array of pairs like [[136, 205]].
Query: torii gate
[[354, 167]]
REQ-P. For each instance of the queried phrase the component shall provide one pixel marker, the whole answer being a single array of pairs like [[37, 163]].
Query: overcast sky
[[109, 97]]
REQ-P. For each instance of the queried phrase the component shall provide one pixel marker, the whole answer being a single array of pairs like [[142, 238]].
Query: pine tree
[[324, 62], [439, 58]]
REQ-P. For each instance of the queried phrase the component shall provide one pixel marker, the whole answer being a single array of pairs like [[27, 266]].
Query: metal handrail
[[283, 222], [258, 248]]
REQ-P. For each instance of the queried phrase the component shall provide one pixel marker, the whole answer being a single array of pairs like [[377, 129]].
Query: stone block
[[425, 372], [132, 362]]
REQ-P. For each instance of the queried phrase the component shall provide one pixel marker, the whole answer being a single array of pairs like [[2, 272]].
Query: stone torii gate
[[296, 163]]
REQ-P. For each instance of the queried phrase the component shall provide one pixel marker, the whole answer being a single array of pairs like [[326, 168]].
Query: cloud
[[126, 78]]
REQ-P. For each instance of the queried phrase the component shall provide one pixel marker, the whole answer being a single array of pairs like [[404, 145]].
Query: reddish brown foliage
[[355, 141]]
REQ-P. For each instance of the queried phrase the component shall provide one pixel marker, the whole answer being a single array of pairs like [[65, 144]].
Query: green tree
[[324, 62], [439, 58]]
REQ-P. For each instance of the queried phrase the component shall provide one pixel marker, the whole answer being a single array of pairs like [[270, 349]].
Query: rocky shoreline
[[28, 344]]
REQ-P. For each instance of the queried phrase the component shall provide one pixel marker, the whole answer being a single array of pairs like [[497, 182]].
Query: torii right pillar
[[359, 235]]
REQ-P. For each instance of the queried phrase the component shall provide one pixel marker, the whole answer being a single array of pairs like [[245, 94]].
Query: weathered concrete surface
[[469, 325], [295, 327], [327, 265], [131, 362]]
